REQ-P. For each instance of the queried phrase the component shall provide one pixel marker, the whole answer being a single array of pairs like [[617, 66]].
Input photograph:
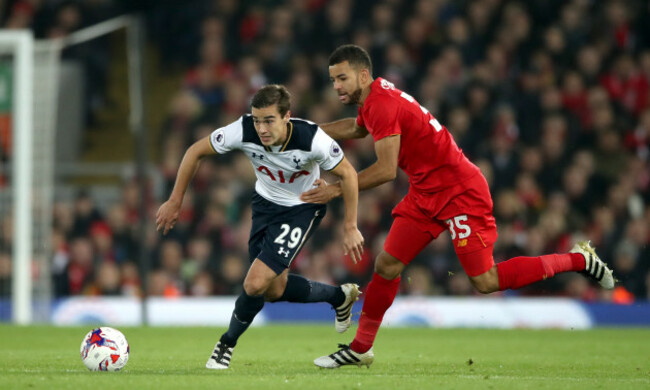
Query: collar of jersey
[[286, 142]]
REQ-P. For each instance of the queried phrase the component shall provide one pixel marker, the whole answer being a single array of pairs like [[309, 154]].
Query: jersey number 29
[[294, 236]]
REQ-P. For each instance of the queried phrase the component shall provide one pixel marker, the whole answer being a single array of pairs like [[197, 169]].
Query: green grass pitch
[[280, 357]]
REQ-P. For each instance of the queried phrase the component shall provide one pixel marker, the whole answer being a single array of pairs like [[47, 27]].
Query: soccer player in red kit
[[447, 192]]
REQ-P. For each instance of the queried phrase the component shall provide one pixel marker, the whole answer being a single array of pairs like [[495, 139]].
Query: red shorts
[[464, 209]]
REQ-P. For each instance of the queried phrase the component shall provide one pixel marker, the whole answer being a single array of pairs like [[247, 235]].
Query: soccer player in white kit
[[287, 154]]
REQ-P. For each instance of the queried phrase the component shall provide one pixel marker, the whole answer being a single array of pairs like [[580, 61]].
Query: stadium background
[[549, 98]]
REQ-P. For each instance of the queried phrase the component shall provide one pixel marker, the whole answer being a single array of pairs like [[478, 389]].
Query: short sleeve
[[225, 139], [381, 118], [360, 120], [327, 152]]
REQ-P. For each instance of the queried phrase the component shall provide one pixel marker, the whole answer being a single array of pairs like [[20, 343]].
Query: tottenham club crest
[[296, 161], [219, 137], [335, 149]]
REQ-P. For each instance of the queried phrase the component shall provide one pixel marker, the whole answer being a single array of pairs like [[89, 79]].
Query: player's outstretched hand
[[353, 243], [167, 216], [322, 194]]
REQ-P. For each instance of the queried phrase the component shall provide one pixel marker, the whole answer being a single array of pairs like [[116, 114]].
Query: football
[[104, 349]]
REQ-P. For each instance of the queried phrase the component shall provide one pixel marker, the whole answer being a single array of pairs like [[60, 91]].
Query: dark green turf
[[280, 357]]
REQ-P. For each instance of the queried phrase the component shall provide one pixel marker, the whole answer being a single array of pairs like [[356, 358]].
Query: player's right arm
[[168, 212], [344, 129]]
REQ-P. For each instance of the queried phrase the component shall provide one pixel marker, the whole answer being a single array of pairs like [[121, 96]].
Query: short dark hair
[[272, 94], [353, 54]]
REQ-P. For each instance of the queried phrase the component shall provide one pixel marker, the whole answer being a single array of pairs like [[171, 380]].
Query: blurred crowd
[[52, 19], [550, 98]]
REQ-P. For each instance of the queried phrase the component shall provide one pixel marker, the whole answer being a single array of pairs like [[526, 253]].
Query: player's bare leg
[[276, 287], [487, 282], [387, 266]]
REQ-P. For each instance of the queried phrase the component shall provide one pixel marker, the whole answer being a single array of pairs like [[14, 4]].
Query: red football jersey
[[428, 153]]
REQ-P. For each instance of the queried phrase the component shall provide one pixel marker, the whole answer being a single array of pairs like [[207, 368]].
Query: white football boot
[[596, 269], [345, 357], [344, 311], [220, 359]]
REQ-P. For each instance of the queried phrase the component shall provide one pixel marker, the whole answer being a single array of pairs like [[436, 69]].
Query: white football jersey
[[286, 171]]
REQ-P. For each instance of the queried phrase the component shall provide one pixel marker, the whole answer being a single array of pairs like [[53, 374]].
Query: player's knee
[[273, 294], [387, 266], [486, 283], [484, 288], [255, 286]]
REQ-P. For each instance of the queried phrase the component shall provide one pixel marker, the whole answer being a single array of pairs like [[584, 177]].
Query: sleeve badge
[[335, 150], [219, 138]]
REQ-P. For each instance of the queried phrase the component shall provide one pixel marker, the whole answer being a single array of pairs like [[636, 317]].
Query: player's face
[[271, 127], [346, 83]]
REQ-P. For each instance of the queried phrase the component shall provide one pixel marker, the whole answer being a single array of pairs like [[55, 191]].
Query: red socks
[[522, 271], [379, 296], [514, 273]]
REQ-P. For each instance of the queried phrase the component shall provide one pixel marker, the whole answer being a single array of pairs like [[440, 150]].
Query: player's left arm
[[343, 129], [385, 168], [352, 238]]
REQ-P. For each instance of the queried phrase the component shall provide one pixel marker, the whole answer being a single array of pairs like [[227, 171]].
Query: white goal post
[[21, 45]]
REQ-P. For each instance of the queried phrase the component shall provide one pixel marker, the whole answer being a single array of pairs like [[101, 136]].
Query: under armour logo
[[260, 156], [297, 162], [283, 252]]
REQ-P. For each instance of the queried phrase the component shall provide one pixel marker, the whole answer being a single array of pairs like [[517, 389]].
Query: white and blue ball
[[104, 349]]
